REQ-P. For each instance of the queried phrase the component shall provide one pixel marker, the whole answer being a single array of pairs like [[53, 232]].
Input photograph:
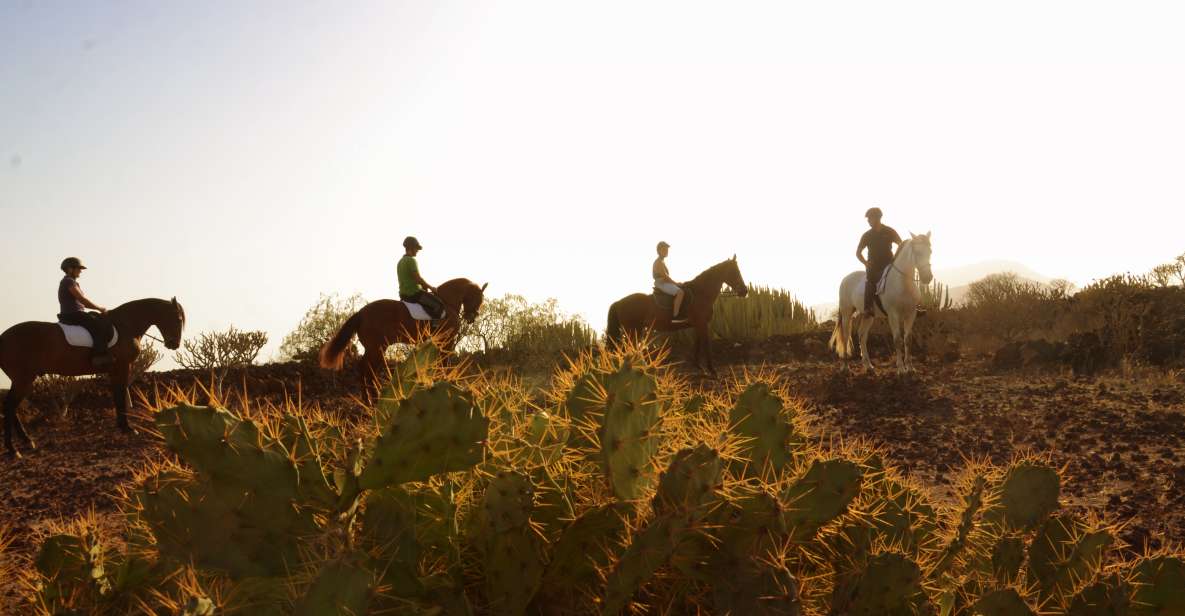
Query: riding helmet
[[69, 262], [412, 242]]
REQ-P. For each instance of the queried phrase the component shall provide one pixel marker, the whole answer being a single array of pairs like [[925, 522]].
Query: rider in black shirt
[[879, 241]]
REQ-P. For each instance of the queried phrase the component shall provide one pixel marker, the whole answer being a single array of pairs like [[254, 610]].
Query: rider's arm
[[860, 252], [424, 283], [76, 292]]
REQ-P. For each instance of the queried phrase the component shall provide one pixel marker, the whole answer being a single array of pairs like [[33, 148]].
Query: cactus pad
[[1110, 597], [1001, 603], [628, 439], [342, 588], [820, 496], [689, 482], [585, 546], [1160, 586], [1007, 557], [510, 547], [889, 585], [760, 416], [1064, 553], [436, 430], [1028, 495]]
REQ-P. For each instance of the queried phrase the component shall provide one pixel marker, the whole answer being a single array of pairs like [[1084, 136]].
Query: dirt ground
[[1119, 439]]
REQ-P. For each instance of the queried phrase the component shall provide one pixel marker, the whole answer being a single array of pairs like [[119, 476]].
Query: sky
[[246, 157]]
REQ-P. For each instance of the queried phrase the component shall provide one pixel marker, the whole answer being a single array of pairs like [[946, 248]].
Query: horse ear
[[483, 287], [734, 256], [928, 234], [174, 300], [912, 236]]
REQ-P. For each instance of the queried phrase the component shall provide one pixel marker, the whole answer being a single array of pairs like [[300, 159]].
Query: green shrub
[[762, 313], [319, 324], [511, 329]]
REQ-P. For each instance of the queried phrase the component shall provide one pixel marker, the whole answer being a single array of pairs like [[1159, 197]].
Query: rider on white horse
[[879, 240]]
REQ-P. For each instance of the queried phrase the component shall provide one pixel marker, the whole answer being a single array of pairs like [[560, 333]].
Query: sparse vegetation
[[318, 325], [762, 313], [530, 335], [219, 352]]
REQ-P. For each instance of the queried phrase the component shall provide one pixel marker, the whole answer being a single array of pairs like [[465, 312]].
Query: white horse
[[900, 299]]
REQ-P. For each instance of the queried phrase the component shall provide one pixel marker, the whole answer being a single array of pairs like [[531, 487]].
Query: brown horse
[[638, 314], [31, 349], [382, 323]]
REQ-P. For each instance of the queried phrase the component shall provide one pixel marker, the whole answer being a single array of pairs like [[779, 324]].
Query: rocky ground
[[1118, 436]]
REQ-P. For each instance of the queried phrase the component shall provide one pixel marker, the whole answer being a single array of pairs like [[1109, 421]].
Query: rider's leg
[[678, 305], [872, 278]]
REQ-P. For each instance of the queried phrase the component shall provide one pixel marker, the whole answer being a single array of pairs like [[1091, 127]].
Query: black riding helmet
[[412, 242], [70, 262]]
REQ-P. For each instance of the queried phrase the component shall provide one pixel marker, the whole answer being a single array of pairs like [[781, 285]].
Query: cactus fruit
[[1064, 553], [1007, 557], [890, 584], [628, 439], [230, 451], [510, 547], [820, 496], [1001, 603], [436, 430], [1028, 496], [1110, 597], [1159, 586], [344, 588], [761, 417]]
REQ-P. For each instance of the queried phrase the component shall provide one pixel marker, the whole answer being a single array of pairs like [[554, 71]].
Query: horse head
[[733, 278], [172, 325], [920, 247], [471, 301]]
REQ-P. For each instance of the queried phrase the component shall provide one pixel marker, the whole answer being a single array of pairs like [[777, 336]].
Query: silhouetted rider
[[73, 305], [412, 287], [879, 241]]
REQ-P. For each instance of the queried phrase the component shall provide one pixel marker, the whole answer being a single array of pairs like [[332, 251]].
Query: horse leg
[[907, 329], [708, 351], [895, 327], [122, 401], [865, 327], [12, 421]]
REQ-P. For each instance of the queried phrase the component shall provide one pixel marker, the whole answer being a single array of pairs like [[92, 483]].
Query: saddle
[[417, 311], [666, 302], [77, 336]]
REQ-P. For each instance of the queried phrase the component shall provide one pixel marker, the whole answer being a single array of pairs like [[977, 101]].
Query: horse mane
[[711, 270]]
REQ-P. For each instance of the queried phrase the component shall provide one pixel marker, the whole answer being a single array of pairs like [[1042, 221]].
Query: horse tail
[[613, 327], [334, 350]]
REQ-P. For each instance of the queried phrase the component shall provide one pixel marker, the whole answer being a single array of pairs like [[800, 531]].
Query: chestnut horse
[[638, 314], [382, 323], [31, 349]]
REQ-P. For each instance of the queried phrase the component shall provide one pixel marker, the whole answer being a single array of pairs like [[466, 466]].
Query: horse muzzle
[[742, 291], [926, 277]]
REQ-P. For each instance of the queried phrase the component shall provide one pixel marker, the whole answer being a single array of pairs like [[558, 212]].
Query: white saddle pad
[[417, 311], [880, 284], [76, 335]]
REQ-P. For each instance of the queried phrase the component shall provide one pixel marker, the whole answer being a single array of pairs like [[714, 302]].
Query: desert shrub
[[147, 358], [1133, 317], [220, 351], [762, 313], [1169, 274], [625, 491], [935, 296], [512, 329], [1010, 308], [319, 324]]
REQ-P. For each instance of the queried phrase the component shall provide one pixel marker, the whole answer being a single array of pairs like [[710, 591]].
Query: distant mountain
[[958, 280]]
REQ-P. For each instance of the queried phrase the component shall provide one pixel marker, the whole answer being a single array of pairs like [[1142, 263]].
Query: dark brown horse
[[638, 314], [31, 349], [382, 323]]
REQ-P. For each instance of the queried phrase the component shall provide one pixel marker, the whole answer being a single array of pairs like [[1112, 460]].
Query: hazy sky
[[247, 156]]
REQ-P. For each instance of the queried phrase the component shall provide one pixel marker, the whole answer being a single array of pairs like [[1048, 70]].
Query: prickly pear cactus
[[1007, 557], [650, 549], [68, 564], [511, 549], [415, 372], [955, 549], [1110, 597], [587, 545], [436, 430], [1064, 553], [628, 439], [198, 606], [689, 482], [907, 519], [230, 451], [342, 588], [314, 483], [1159, 586], [586, 397], [891, 584], [756, 588], [1027, 496], [761, 417], [244, 534], [1004, 602], [820, 496], [389, 531]]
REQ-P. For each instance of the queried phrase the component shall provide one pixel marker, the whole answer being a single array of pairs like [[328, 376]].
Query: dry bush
[[147, 358], [219, 352], [319, 324], [520, 332]]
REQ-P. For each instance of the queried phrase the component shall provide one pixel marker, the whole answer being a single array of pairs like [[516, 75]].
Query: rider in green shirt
[[413, 288]]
